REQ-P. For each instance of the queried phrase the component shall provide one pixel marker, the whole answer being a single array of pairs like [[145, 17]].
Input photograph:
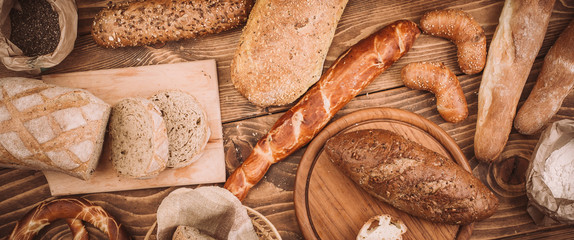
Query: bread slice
[[382, 227], [187, 126], [189, 233], [282, 49], [47, 127], [139, 143]]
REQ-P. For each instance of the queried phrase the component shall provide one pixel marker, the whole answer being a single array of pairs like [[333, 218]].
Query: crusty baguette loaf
[[46, 127], [138, 23], [187, 126], [282, 49], [348, 75], [138, 138], [517, 40], [553, 85], [411, 177]]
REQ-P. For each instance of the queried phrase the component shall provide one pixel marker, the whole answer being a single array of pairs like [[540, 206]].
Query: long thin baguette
[[350, 74], [553, 85], [517, 40], [139, 23]]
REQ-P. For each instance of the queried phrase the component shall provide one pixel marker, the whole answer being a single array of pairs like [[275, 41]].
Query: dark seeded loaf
[[187, 126], [411, 177], [139, 144]]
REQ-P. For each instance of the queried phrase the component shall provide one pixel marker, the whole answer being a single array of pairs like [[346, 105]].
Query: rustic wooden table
[[244, 123]]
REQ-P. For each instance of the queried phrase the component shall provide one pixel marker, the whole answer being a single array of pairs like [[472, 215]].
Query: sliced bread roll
[[382, 227], [187, 126], [189, 233], [47, 127], [139, 143]]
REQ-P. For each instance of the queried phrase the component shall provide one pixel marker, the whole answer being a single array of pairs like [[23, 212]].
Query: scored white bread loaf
[[516, 42], [382, 227], [138, 138], [46, 127], [187, 126], [282, 49]]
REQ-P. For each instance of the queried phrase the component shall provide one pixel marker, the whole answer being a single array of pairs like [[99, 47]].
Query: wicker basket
[[263, 227]]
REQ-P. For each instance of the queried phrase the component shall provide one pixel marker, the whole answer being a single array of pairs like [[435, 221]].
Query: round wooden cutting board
[[329, 205]]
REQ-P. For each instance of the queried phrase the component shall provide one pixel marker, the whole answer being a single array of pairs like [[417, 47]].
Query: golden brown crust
[[438, 79], [553, 85], [516, 42], [140, 23], [78, 229], [282, 49], [461, 28], [348, 75], [67, 208], [411, 177]]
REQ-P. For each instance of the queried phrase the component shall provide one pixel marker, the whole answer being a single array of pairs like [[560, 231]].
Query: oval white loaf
[[46, 127], [282, 49], [382, 227], [138, 138], [187, 126]]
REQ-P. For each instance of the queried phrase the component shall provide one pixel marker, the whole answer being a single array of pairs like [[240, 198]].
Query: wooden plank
[[197, 78]]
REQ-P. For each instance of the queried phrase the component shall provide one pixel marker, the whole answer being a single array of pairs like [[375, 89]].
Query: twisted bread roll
[[348, 75], [69, 208]]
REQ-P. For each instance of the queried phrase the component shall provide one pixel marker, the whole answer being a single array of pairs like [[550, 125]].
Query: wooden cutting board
[[197, 78], [329, 205]]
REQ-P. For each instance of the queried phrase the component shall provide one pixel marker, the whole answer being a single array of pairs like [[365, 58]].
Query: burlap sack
[[212, 210], [12, 57]]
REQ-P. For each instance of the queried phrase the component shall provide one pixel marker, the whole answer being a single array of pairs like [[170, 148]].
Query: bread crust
[[140, 23], [47, 127], [437, 78], [411, 177], [517, 40], [282, 49], [349, 75], [552, 86]]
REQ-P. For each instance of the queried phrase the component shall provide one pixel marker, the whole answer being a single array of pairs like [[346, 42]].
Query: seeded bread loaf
[[187, 126], [282, 49], [46, 127], [410, 177], [138, 138], [139, 23], [189, 233]]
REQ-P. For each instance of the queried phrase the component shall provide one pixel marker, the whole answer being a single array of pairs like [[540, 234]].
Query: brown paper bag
[[549, 181], [12, 56]]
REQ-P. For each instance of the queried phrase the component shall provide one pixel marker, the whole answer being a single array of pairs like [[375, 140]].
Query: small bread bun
[[382, 227]]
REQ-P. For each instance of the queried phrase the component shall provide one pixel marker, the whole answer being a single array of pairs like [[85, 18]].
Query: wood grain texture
[[244, 123]]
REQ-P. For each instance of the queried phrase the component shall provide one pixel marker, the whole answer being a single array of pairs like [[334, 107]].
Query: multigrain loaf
[[410, 177], [138, 138], [46, 127], [139, 23], [187, 126], [282, 49]]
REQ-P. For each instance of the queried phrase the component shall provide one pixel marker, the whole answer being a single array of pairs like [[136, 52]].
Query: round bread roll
[[382, 227], [139, 142], [187, 126]]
